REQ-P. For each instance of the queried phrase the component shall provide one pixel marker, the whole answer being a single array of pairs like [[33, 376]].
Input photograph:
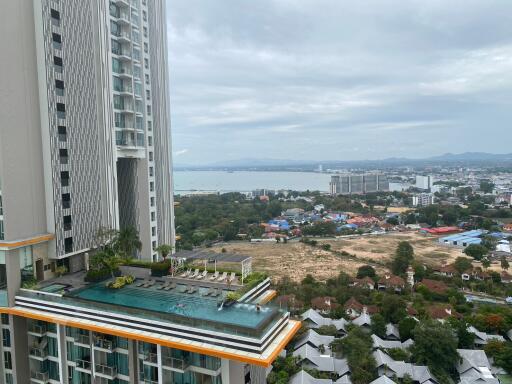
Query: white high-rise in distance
[[84, 127]]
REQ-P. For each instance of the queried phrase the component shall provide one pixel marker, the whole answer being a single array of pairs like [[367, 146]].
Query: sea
[[191, 182]]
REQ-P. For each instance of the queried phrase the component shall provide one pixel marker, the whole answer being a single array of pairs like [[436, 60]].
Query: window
[[66, 200], [61, 110], [61, 129], [153, 216], [153, 231], [144, 16], [146, 48], [59, 87], [68, 244], [140, 139], [151, 171], [148, 110], [55, 14], [64, 178], [118, 102], [114, 28], [153, 244], [151, 186], [116, 65], [152, 201], [150, 125], [136, 71], [148, 94], [150, 156], [146, 63], [57, 41], [146, 77], [116, 47], [145, 31], [150, 141], [119, 120], [57, 61], [63, 154], [67, 222]]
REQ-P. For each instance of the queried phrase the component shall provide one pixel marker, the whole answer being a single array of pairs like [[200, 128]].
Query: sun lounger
[[140, 284], [223, 277], [186, 273], [184, 289], [170, 286], [215, 276], [215, 293], [208, 292], [195, 274], [202, 275], [150, 283], [192, 289], [232, 277], [163, 286]]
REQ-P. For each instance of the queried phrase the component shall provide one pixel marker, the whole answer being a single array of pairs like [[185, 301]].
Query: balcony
[[174, 364], [125, 73], [124, 37], [122, 3], [107, 345], [123, 18], [83, 340], [151, 358], [39, 377], [38, 353], [105, 371], [84, 365], [37, 330]]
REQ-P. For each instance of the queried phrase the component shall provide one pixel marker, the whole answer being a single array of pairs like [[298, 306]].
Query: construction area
[[295, 259]]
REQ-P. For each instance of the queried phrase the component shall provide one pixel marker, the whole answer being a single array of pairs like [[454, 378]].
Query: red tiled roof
[[324, 303], [442, 312], [392, 281], [365, 281], [433, 285], [352, 303]]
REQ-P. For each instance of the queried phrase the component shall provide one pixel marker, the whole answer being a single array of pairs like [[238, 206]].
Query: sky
[[338, 79]]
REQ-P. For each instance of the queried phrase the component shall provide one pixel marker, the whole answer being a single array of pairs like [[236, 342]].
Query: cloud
[[307, 78]]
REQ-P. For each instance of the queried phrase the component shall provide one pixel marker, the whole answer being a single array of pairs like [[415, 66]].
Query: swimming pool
[[176, 303], [54, 288]]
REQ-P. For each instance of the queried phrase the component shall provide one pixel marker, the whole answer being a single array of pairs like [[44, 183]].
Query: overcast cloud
[[339, 79]]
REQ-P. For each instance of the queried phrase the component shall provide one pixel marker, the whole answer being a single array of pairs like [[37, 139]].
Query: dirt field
[[296, 260]]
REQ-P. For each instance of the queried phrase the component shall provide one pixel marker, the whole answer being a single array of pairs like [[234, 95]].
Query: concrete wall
[[21, 163]]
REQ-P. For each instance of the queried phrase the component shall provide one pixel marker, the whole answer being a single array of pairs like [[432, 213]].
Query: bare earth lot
[[296, 260]]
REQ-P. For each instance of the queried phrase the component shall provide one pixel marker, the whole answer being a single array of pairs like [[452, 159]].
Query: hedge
[[93, 276]]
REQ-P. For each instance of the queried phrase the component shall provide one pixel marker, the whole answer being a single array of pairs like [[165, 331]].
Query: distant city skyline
[[326, 80]]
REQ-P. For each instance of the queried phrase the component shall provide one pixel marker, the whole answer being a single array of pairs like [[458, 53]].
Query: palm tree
[[127, 242], [164, 250]]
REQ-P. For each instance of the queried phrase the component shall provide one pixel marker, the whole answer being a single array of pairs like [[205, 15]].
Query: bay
[[186, 182]]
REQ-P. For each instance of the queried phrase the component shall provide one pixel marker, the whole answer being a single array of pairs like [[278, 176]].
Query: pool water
[[53, 288], [174, 302]]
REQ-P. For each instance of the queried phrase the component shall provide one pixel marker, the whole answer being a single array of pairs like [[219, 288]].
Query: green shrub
[[138, 263], [233, 296], [160, 269], [30, 283], [94, 276], [120, 282]]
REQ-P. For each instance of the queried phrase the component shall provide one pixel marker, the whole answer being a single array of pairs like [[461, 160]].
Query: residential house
[[392, 332], [441, 312], [315, 340], [324, 304], [383, 380], [482, 338], [448, 270], [474, 367], [386, 366], [353, 308], [379, 343], [365, 283], [311, 358], [393, 282], [364, 321], [289, 301], [303, 377], [314, 320]]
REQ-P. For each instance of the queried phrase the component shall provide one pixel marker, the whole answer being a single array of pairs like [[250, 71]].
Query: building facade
[[85, 138], [422, 199], [357, 184], [424, 182]]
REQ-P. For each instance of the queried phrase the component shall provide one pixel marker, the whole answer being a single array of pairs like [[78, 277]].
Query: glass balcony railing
[[82, 339], [151, 358], [104, 344], [37, 329], [174, 363], [38, 352], [40, 376], [83, 364], [105, 370]]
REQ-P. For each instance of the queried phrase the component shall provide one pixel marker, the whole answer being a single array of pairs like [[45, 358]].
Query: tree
[[393, 221], [486, 186], [104, 237], [127, 242], [404, 256], [501, 352], [504, 263], [406, 328], [495, 322], [435, 346], [379, 325], [357, 347], [476, 251], [365, 271], [164, 250], [462, 264], [465, 338], [393, 309], [486, 263]]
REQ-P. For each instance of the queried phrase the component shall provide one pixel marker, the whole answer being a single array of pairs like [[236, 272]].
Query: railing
[[175, 363], [83, 364], [38, 352], [104, 344], [151, 358], [41, 376], [82, 339], [125, 71], [39, 329], [105, 370]]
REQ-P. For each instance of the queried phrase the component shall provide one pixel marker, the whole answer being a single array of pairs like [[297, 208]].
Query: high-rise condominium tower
[[84, 127]]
